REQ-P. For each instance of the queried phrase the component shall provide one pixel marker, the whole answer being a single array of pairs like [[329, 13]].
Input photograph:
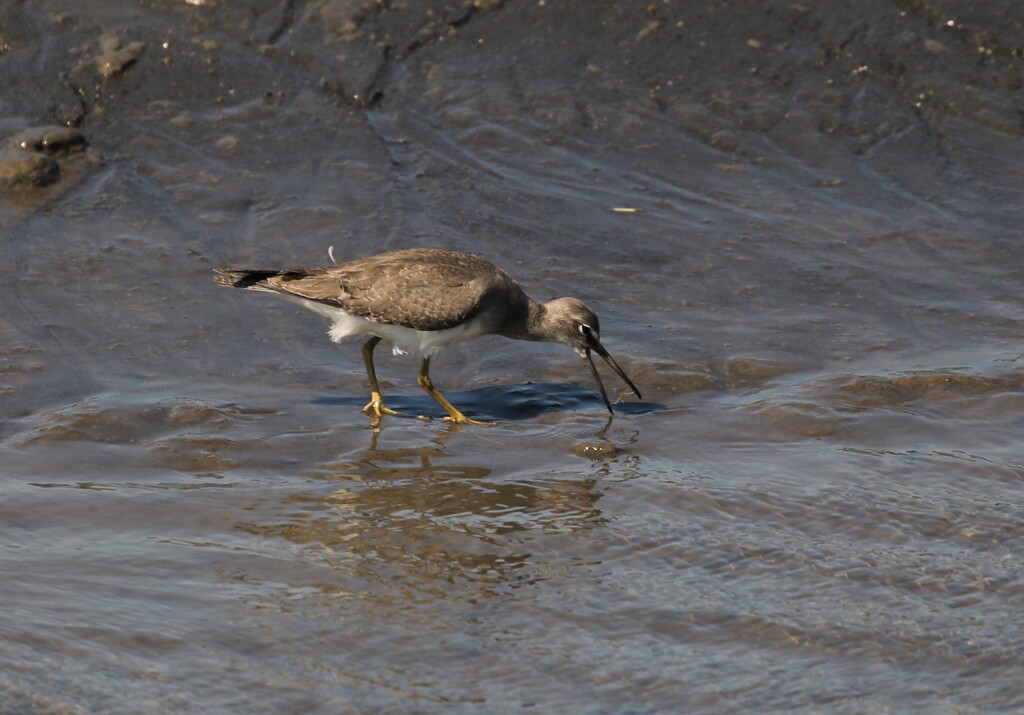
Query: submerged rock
[[596, 451]]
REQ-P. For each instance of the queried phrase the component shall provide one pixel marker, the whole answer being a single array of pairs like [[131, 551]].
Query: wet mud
[[800, 224]]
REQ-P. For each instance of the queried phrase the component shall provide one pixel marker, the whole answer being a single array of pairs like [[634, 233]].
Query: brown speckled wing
[[421, 288]]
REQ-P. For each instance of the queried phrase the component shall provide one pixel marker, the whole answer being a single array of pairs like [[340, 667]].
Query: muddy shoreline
[[799, 223]]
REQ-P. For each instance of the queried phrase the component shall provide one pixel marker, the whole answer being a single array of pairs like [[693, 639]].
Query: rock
[[50, 139], [19, 169], [596, 451]]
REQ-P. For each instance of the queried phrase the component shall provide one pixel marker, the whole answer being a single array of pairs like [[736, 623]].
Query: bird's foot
[[376, 409], [460, 419]]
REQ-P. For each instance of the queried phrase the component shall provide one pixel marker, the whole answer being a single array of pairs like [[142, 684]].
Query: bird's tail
[[253, 280]]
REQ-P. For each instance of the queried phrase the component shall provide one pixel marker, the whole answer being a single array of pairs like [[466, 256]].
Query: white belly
[[421, 343]]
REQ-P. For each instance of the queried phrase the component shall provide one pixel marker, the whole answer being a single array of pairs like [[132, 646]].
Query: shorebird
[[423, 299]]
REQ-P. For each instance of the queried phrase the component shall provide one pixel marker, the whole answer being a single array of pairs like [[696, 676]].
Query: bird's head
[[571, 322]]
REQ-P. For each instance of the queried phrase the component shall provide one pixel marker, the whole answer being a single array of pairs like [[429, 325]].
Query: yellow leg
[[454, 416], [375, 407]]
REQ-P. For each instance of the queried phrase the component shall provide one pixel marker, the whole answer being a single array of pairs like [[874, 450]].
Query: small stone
[[596, 451]]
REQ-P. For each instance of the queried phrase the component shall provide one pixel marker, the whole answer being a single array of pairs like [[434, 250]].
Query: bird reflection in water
[[413, 522]]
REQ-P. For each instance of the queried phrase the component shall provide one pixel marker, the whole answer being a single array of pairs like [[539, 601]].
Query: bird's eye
[[585, 329]]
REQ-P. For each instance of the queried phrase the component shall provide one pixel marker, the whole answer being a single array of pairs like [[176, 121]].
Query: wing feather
[[424, 289]]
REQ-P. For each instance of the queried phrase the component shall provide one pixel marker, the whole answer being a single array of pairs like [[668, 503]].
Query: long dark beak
[[614, 365]]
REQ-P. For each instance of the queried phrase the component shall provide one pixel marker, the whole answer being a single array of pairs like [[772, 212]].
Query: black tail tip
[[240, 279]]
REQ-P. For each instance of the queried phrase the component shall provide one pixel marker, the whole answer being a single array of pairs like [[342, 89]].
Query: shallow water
[[818, 506]]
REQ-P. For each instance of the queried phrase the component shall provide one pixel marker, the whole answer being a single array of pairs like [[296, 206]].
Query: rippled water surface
[[817, 506]]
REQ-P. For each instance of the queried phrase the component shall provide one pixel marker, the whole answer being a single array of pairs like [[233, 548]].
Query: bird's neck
[[525, 321]]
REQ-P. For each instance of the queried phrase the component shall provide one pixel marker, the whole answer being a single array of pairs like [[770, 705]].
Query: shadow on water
[[504, 403]]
